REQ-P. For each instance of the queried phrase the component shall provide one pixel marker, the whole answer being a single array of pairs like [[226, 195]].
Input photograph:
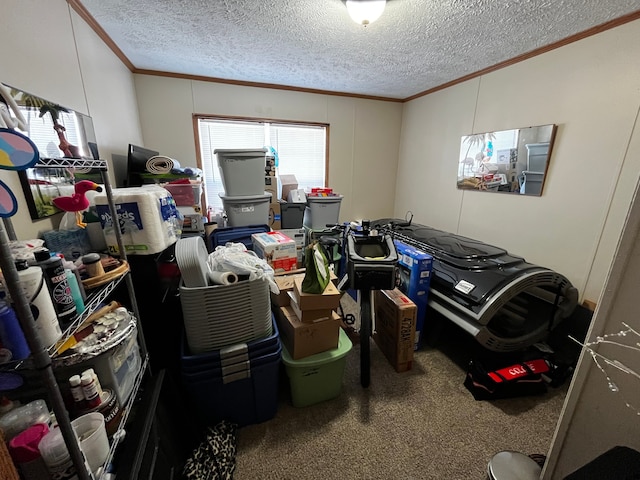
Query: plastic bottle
[[75, 385], [56, 278], [37, 293], [91, 393], [76, 271], [11, 334], [489, 149], [96, 380], [76, 293]]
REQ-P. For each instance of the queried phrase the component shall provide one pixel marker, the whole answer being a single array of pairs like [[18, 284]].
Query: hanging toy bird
[[77, 202]]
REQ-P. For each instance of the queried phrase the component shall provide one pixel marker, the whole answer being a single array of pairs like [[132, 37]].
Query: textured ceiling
[[415, 46]]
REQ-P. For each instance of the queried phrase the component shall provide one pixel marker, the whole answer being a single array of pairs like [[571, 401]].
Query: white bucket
[[92, 433]]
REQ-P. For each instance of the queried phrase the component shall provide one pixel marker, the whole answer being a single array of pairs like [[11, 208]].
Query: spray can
[[56, 279], [35, 290]]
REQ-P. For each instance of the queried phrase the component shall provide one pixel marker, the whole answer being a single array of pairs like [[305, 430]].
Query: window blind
[[301, 150]]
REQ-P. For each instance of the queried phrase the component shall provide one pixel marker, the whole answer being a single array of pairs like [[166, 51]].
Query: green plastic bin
[[318, 377]]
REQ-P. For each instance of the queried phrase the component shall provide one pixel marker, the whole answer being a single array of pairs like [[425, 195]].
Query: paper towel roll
[[222, 278], [147, 218]]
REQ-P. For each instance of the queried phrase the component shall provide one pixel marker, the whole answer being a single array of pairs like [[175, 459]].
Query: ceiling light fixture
[[365, 12]]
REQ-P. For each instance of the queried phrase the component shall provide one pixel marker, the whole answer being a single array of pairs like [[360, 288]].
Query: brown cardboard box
[[308, 316], [275, 216], [285, 284], [329, 299], [288, 182], [395, 327], [305, 339], [272, 186]]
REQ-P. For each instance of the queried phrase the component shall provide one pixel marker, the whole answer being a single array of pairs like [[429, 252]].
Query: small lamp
[[365, 12]]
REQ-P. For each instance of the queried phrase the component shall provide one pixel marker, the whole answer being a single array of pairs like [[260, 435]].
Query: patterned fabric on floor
[[215, 457]]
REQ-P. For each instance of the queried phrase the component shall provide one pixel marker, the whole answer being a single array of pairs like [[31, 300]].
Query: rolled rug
[[159, 164]]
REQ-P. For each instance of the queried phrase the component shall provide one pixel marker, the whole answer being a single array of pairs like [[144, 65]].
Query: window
[[300, 148], [45, 137]]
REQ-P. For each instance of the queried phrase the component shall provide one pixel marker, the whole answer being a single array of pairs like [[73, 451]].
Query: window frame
[[214, 117]]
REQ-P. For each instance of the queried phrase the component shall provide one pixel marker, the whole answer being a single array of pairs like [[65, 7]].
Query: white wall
[[364, 134], [590, 90], [60, 58]]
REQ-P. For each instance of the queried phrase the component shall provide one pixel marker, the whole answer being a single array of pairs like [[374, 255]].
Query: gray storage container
[[242, 170], [245, 210]]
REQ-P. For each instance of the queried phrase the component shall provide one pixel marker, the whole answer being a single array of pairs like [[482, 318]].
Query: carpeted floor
[[421, 424]]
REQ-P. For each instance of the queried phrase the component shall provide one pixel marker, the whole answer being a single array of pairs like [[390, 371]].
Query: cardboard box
[[395, 316], [285, 284], [329, 299], [414, 270], [288, 182], [308, 316], [272, 185], [275, 216], [277, 249], [305, 339]]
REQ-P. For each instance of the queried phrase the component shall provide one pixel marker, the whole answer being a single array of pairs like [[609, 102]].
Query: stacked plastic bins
[[245, 200], [231, 352], [314, 345], [323, 207], [318, 377], [238, 383]]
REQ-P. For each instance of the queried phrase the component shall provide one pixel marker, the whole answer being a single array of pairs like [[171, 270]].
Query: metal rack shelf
[[41, 357]]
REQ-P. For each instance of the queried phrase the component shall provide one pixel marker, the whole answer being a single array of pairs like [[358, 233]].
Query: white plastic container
[[37, 293], [242, 170], [247, 210], [94, 443], [56, 456], [321, 211]]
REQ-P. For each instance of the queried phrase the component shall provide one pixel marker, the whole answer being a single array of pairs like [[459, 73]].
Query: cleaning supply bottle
[[37, 294], [11, 334], [76, 293], [56, 279], [76, 271]]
